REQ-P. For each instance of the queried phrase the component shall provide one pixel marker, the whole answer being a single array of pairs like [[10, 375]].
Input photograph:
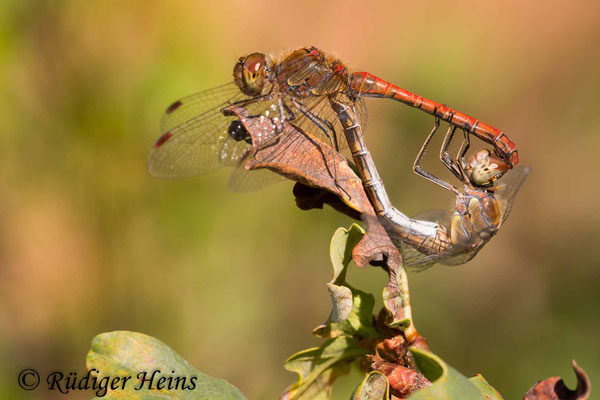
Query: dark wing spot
[[161, 140], [174, 106]]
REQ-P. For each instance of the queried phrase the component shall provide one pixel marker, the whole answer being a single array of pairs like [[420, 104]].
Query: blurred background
[[90, 243]]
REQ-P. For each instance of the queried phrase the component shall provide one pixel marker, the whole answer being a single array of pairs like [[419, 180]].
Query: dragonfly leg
[[292, 116], [321, 123], [328, 131], [447, 160], [460, 156], [418, 169], [464, 147]]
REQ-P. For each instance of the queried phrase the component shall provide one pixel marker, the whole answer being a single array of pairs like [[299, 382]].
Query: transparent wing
[[462, 256], [456, 257], [440, 216], [508, 187], [320, 107], [243, 180], [194, 137], [420, 261], [197, 104], [414, 259]]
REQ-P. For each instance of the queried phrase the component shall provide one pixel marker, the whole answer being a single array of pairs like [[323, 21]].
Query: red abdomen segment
[[366, 84]]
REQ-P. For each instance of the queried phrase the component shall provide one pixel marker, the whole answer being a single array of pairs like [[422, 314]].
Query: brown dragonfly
[[295, 88], [450, 237]]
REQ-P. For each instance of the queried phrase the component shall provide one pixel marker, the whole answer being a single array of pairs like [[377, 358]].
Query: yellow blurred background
[[89, 242]]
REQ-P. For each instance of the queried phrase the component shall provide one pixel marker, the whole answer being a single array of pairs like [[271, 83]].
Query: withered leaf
[[555, 389], [303, 158], [352, 309]]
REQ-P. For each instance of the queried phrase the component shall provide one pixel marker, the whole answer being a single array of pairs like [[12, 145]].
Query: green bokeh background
[[235, 282]]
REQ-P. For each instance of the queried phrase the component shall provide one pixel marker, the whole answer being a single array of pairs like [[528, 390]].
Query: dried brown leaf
[[555, 389], [305, 159]]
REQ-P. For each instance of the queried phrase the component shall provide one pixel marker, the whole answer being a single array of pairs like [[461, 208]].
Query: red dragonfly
[[295, 88]]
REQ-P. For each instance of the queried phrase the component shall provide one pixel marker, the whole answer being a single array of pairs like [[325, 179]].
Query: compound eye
[[250, 74], [485, 168], [255, 64]]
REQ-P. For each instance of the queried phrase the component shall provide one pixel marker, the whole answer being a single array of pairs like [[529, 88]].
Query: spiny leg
[[445, 157], [292, 116], [328, 131], [420, 171], [464, 147], [321, 123]]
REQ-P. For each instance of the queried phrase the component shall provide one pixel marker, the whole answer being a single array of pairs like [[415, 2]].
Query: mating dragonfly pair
[[317, 94]]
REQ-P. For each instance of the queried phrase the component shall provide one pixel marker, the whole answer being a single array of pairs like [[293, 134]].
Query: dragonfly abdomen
[[436, 244], [366, 84]]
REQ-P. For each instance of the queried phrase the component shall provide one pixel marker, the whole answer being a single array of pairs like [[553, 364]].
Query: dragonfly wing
[[440, 216], [460, 258], [509, 185], [327, 121], [318, 119], [360, 107], [194, 137], [197, 104], [414, 259], [243, 180], [443, 217]]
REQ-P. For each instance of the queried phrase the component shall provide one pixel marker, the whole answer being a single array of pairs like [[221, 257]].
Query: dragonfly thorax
[[476, 219]]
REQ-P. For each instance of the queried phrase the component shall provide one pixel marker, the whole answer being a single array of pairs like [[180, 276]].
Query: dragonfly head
[[484, 168], [251, 74]]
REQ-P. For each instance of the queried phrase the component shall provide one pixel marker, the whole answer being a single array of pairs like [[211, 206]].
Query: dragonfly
[[480, 209], [296, 87]]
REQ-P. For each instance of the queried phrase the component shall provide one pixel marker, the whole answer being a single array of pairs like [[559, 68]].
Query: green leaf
[[488, 392], [397, 299], [317, 368], [320, 388], [352, 310], [123, 353], [447, 383], [375, 386], [340, 249]]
